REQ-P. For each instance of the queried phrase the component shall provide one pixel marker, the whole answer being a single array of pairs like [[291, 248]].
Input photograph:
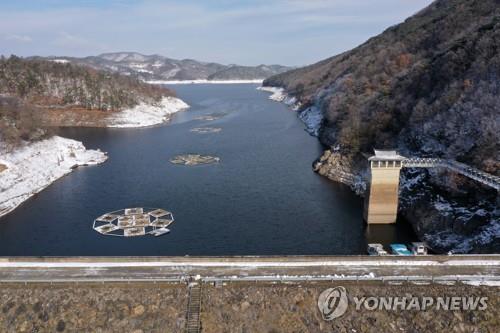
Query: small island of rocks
[[194, 159]]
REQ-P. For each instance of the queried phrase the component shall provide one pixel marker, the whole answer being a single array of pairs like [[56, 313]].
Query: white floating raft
[[131, 222]]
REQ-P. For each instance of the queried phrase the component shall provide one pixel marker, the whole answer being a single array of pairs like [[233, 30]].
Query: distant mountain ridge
[[159, 68]]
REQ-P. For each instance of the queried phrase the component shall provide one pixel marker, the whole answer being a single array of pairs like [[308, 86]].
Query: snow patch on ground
[[168, 74], [144, 115], [312, 117], [34, 166], [61, 61], [277, 94], [483, 283], [141, 70], [203, 81], [138, 66]]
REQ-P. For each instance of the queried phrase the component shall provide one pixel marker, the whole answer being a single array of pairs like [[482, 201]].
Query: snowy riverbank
[[258, 81], [34, 166], [279, 95], [144, 115], [312, 116]]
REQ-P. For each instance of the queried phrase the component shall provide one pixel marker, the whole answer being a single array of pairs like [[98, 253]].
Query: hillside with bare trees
[[37, 92], [427, 87]]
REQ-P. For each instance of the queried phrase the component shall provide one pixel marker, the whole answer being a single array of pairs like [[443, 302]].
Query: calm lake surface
[[262, 198]]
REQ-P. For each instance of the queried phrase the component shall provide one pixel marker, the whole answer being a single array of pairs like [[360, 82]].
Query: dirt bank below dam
[[233, 307]]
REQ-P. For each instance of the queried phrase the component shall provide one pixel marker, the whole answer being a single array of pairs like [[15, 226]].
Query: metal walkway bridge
[[463, 169]]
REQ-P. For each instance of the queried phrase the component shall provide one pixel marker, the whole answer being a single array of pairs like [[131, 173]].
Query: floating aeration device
[[130, 222]]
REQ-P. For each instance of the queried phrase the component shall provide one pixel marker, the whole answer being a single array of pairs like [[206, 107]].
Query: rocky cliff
[[428, 87]]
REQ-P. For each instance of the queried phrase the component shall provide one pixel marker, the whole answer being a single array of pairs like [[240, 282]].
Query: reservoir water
[[261, 199]]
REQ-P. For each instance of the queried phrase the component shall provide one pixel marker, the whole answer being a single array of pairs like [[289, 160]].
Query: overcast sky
[[247, 32]]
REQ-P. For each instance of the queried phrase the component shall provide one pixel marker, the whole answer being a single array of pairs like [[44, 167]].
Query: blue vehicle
[[400, 250]]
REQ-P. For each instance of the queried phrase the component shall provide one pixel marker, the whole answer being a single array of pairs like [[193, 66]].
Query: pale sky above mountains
[[288, 32]]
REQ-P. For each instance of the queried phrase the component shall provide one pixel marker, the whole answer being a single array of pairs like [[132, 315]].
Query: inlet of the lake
[[262, 198]]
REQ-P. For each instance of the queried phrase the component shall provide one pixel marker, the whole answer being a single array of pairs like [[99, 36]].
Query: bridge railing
[[461, 168], [418, 162]]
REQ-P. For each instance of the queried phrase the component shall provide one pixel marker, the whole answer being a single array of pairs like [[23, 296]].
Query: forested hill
[[48, 83], [30, 89], [430, 86]]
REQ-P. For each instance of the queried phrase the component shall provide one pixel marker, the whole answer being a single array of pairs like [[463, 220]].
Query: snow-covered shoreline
[[279, 95], [258, 81], [312, 116], [144, 115], [34, 166]]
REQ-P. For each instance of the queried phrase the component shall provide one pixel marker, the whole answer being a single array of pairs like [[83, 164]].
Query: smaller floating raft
[[194, 159], [206, 130], [212, 116], [132, 222]]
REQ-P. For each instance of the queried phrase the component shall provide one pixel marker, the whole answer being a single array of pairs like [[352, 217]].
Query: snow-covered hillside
[[33, 166], [159, 68]]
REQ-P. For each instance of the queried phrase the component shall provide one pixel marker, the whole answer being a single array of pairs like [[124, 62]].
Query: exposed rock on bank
[[194, 159], [341, 168], [34, 166]]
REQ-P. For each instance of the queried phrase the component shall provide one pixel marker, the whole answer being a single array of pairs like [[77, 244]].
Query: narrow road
[[294, 268]]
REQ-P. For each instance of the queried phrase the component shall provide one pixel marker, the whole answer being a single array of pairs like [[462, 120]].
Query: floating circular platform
[[132, 222]]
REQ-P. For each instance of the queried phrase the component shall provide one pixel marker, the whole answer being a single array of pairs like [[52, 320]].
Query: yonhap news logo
[[333, 303]]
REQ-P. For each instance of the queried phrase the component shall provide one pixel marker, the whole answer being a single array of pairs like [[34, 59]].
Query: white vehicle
[[376, 249], [418, 248]]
